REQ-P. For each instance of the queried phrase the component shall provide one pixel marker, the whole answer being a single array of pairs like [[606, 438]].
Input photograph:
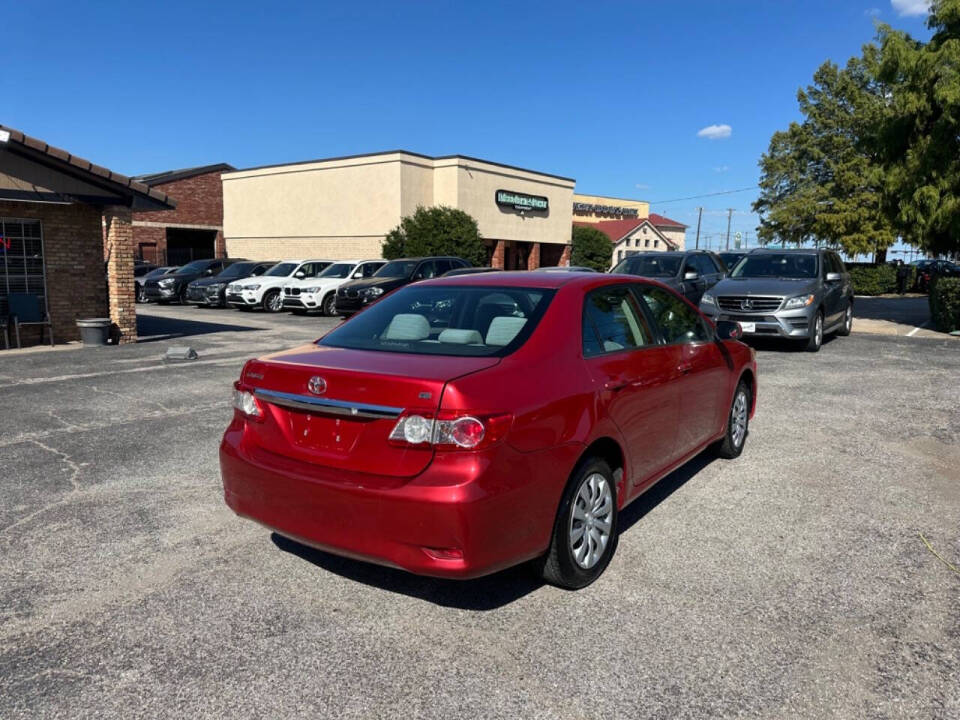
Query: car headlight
[[251, 287], [166, 282], [799, 302], [310, 290], [216, 286], [373, 292], [707, 299]]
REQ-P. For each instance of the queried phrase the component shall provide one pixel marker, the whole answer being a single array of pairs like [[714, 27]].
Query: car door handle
[[684, 368], [618, 385]]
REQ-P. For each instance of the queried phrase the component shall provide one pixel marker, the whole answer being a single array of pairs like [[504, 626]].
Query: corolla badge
[[317, 385]]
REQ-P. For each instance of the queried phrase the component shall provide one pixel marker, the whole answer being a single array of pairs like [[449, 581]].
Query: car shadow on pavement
[[151, 328], [492, 591], [785, 346], [913, 311], [486, 593]]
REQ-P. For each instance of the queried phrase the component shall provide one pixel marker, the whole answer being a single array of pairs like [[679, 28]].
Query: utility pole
[[699, 218], [746, 240], [729, 219]]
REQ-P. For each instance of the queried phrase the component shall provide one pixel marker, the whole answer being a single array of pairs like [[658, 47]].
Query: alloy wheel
[[818, 330], [738, 418], [591, 519], [848, 320], [274, 302], [330, 305]]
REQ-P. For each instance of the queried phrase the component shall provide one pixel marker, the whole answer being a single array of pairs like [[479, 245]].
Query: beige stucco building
[[344, 207], [596, 208]]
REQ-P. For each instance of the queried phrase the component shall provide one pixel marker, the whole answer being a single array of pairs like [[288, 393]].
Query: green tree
[[436, 230], [822, 180], [590, 248], [921, 138]]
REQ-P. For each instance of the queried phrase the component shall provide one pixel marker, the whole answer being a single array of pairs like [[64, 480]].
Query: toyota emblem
[[746, 304], [317, 385]]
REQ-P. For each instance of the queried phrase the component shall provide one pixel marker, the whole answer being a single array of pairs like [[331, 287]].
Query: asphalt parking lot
[[791, 582]]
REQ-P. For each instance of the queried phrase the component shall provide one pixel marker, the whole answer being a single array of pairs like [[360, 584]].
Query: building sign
[[522, 201], [586, 208]]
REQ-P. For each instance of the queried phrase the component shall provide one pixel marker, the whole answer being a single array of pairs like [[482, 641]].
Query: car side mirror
[[208, 271], [834, 277], [691, 275], [300, 275], [357, 275], [728, 330]]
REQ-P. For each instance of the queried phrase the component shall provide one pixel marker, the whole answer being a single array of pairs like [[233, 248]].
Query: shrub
[[945, 304], [436, 231], [590, 248], [874, 280]]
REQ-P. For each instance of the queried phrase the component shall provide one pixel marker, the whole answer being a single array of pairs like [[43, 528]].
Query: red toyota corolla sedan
[[463, 425]]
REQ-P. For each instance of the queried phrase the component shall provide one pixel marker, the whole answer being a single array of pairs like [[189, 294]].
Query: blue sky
[[612, 94]]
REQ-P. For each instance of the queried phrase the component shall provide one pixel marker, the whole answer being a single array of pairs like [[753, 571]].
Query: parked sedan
[[212, 291], [466, 424], [357, 294], [690, 273], [155, 274], [320, 292]]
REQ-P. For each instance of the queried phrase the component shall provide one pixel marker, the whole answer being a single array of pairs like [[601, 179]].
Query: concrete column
[[533, 259], [120, 285]]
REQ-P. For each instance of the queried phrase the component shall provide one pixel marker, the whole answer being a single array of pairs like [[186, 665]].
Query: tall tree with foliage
[[438, 230], [921, 137], [590, 248], [822, 180]]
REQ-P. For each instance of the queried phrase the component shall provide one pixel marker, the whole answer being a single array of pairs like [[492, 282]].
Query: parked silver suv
[[795, 294]]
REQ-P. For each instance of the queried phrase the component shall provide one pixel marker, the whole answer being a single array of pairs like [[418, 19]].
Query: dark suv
[[174, 286], [691, 273], [801, 294], [357, 294], [212, 291]]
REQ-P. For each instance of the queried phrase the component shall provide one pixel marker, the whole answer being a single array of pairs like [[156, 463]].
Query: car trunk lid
[[335, 407]]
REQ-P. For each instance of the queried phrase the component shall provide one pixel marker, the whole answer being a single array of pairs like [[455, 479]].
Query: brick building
[[191, 232], [60, 217]]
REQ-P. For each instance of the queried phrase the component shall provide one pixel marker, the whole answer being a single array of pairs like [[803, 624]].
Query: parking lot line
[[917, 329]]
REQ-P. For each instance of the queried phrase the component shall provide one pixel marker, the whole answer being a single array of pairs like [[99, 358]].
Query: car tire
[[141, 294], [847, 321], [329, 305], [588, 504], [183, 297], [738, 423], [272, 302], [815, 340]]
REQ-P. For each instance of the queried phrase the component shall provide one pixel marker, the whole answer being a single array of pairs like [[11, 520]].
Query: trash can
[[94, 331]]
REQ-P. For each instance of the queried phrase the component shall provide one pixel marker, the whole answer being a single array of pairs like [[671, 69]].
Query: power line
[[696, 197]]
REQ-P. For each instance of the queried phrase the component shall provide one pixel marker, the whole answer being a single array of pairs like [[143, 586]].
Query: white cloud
[[911, 7], [721, 169], [642, 186], [872, 12], [715, 132]]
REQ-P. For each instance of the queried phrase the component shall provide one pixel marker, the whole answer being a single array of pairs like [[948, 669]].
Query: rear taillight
[[451, 431], [245, 403]]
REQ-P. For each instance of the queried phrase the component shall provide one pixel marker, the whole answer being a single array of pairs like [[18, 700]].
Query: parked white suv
[[320, 293], [266, 291]]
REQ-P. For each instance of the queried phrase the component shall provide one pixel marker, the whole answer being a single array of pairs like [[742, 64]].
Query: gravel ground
[[791, 582]]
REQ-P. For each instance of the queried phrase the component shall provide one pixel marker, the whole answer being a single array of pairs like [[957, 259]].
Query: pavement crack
[[74, 487], [132, 400]]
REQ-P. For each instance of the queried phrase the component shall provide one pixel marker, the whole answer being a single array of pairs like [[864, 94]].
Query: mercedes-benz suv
[[794, 294]]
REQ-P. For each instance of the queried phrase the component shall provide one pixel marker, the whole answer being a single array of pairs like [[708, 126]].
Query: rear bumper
[[466, 515]]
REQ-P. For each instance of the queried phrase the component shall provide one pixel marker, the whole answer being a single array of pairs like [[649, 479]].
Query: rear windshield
[[446, 320], [777, 265], [650, 266], [195, 266]]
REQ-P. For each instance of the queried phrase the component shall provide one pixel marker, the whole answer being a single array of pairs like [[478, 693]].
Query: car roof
[[533, 279], [789, 251], [426, 257]]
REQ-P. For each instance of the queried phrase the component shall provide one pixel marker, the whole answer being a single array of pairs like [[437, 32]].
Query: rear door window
[[676, 320], [612, 321], [427, 270]]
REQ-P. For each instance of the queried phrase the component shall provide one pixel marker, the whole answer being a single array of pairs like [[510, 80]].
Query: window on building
[[647, 243], [656, 243], [619, 255], [21, 260]]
